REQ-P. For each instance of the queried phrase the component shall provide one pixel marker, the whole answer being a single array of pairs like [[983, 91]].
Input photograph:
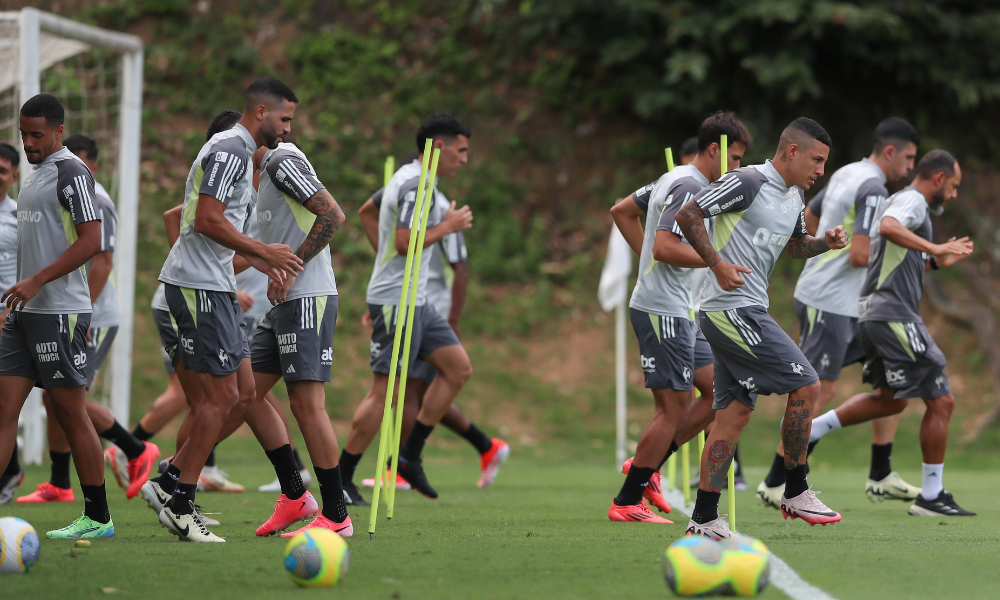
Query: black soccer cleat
[[412, 470], [353, 497], [942, 506]]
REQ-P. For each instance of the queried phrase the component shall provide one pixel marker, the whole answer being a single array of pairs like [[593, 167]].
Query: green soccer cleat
[[84, 527]]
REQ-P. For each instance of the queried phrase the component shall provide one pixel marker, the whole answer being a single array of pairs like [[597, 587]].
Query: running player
[[44, 336], [13, 475], [294, 341], [825, 296], [446, 287], [201, 293], [675, 356], [902, 361], [433, 339], [757, 213]]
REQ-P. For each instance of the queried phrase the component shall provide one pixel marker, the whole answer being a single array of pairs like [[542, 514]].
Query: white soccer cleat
[[214, 479], [116, 459], [809, 508], [275, 486], [189, 528], [892, 487], [770, 496], [716, 530], [154, 496]]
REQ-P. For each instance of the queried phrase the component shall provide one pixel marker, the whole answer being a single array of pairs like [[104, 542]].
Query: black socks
[[60, 471], [299, 466], [288, 475], [479, 440], [348, 464], [119, 436], [332, 492], [776, 476], [141, 434], [13, 467], [168, 480], [95, 502], [210, 461], [673, 448], [182, 502], [635, 484], [414, 445], [706, 507], [881, 461], [795, 481]]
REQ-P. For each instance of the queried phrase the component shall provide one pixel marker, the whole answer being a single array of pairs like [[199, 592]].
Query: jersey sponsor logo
[[687, 374], [280, 174], [749, 384], [290, 370], [221, 156], [223, 356], [59, 375], [895, 377], [264, 217], [797, 368], [648, 363], [187, 344], [47, 351], [215, 171], [714, 209], [68, 192], [288, 343], [764, 237], [327, 357], [80, 360], [29, 216]]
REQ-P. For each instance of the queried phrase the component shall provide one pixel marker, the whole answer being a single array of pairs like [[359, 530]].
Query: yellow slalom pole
[[686, 472], [388, 170], [670, 159], [428, 193], [724, 147], [394, 361], [701, 445], [671, 470]]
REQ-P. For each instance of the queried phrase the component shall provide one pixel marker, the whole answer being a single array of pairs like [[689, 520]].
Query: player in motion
[[13, 475], [44, 337], [675, 355], [758, 211], [433, 339], [827, 291], [200, 287], [294, 341], [902, 361]]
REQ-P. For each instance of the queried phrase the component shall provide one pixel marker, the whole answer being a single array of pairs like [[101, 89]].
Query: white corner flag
[[612, 293]]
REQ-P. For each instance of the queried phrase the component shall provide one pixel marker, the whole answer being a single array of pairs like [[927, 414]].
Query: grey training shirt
[[56, 196], [252, 281], [664, 289], [755, 215], [222, 170], [8, 244], [852, 198], [894, 283], [106, 306]]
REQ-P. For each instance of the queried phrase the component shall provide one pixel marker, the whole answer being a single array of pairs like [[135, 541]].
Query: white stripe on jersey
[[228, 174], [749, 335], [915, 342], [309, 189], [728, 186], [86, 202]]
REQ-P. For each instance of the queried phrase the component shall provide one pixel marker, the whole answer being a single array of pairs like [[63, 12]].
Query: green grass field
[[539, 532]]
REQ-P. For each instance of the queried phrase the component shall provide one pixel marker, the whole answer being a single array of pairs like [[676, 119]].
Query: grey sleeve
[[734, 192], [377, 198], [222, 170], [453, 247], [871, 194], [109, 226], [816, 204], [800, 225], [75, 191], [641, 196], [292, 175], [407, 203], [679, 194]]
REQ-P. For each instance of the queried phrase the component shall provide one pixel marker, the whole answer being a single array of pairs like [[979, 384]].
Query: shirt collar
[[62, 153], [696, 174], [875, 169], [247, 138], [773, 176]]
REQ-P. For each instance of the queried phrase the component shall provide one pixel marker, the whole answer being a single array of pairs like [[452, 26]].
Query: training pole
[[672, 461], [388, 170], [686, 472], [701, 444], [670, 159], [397, 339], [724, 151], [410, 310]]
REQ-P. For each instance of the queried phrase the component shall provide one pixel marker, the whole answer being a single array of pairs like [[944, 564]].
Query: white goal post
[[32, 44]]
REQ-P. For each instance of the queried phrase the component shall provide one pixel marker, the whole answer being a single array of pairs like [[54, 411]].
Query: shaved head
[[802, 131]]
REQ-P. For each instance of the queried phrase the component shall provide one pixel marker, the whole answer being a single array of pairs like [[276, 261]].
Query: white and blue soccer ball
[[19, 545]]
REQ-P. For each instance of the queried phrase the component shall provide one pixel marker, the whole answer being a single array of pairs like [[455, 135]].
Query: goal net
[[97, 75]]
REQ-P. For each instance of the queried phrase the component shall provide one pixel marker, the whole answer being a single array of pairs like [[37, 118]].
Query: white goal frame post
[[76, 38]]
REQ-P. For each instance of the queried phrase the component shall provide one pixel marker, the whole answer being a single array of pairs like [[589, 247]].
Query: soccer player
[[902, 361], [44, 336], [446, 286], [201, 293], [757, 213], [13, 475], [675, 356], [827, 291], [137, 457], [433, 339], [294, 341], [689, 150]]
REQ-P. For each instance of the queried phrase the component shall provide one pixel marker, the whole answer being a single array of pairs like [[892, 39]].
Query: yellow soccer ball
[[316, 558], [748, 563], [694, 566]]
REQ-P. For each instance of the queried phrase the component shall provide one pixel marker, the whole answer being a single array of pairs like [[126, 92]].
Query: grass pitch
[[540, 532]]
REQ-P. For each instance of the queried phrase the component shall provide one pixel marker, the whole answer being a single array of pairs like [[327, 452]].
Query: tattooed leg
[[797, 425], [721, 444]]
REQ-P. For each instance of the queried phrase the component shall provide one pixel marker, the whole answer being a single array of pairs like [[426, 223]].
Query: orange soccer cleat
[[345, 529], [653, 491], [287, 512], [139, 469], [638, 513], [491, 460], [46, 492]]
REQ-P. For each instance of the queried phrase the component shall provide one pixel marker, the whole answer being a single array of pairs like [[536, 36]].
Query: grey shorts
[[51, 349], [829, 342], [753, 356], [295, 339], [430, 332], [666, 348], [702, 350], [423, 371], [903, 358], [209, 329], [249, 329], [98, 347], [168, 338]]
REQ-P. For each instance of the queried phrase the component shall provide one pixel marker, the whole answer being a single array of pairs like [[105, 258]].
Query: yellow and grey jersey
[[664, 289], [252, 281], [106, 306], [852, 198], [755, 215], [894, 284], [8, 244], [447, 252], [223, 171], [287, 182], [56, 196], [396, 211]]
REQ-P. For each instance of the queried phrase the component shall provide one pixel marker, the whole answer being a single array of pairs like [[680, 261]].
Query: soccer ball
[[694, 566], [748, 562], [316, 558], [19, 545]]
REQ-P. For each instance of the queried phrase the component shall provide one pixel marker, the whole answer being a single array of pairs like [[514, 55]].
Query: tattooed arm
[[329, 218], [807, 246], [691, 219]]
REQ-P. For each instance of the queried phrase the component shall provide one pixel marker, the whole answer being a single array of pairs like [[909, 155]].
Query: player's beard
[[937, 204], [271, 137]]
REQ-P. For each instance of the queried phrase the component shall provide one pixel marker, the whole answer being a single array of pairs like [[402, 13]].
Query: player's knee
[[943, 405], [460, 372], [809, 393]]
